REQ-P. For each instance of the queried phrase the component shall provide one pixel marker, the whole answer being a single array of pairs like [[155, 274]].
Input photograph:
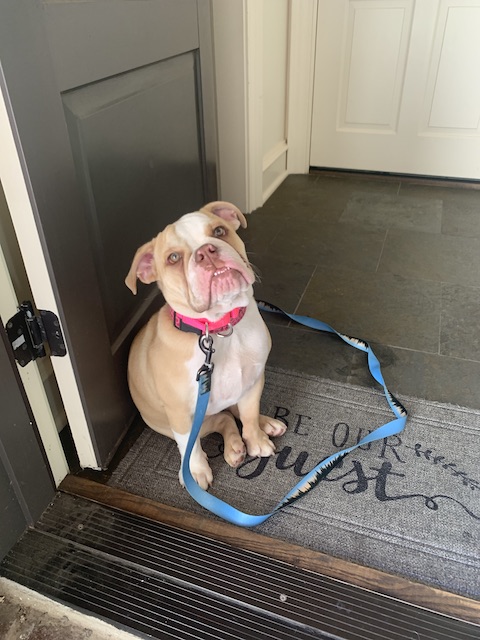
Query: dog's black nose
[[205, 252]]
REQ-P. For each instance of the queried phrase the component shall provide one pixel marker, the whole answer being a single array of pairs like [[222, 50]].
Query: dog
[[201, 267]]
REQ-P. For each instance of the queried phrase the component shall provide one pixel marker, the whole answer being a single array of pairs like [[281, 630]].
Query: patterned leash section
[[306, 484]]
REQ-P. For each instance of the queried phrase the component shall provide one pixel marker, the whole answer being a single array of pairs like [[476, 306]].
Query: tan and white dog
[[202, 269]]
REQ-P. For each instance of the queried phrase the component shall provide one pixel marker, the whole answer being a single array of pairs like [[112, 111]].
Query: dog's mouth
[[221, 285], [225, 283]]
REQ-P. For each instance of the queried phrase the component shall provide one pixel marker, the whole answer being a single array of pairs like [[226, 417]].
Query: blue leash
[[226, 511]]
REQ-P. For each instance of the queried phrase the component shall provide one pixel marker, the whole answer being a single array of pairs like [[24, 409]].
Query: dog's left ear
[[227, 211]]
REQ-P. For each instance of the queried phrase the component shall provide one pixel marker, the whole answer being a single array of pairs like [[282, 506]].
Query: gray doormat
[[409, 505]]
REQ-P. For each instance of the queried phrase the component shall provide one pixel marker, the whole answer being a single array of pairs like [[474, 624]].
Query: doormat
[[408, 505]]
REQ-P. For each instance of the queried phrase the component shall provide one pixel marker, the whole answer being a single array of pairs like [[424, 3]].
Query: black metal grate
[[168, 583]]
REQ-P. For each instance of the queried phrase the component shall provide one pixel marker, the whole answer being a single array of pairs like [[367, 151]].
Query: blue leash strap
[[233, 515]]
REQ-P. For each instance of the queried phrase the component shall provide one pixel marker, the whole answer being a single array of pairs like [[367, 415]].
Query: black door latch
[[34, 336]]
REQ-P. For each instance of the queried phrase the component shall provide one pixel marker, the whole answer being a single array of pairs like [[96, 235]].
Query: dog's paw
[[259, 444], [271, 426], [235, 451], [202, 475]]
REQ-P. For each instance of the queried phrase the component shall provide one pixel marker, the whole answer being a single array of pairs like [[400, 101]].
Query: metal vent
[[167, 583]]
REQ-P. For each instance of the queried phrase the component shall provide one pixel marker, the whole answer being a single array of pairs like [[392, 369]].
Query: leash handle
[[306, 484]]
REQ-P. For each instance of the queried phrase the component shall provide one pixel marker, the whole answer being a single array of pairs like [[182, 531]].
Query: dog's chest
[[239, 361]]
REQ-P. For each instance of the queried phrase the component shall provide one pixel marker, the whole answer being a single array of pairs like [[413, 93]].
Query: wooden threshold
[[408, 591]]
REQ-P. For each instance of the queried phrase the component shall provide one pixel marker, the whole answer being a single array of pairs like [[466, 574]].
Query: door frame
[[303, 33], [15, 181]]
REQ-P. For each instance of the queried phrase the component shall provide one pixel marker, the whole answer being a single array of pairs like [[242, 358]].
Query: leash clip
[[205, 342]]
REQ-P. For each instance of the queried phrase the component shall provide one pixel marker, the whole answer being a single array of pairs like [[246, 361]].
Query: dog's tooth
[[220, 271]]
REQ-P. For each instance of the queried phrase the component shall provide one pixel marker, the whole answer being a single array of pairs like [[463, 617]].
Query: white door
[[397, 87]]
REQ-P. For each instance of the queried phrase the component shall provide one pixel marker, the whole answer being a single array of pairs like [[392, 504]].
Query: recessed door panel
[[137, 151]]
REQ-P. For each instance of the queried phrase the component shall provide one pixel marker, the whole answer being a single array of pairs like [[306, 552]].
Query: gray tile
[[331, 244], [262, 228], [274, 318], [461, 219], [424, 375], [461, 206], [313, 352], [432, 256], [281, 282], [295, 190], [294, 185], [348, 183], [299, 228], [460, 328], [321, 196], [377, 307], [427, 189], [406, 372], [385, 211]]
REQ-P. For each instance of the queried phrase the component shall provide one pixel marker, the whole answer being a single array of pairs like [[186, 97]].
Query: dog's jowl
[[200, 265]]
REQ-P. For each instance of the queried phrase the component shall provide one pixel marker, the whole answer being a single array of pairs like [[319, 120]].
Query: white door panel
[[453, 91], [395, 87]]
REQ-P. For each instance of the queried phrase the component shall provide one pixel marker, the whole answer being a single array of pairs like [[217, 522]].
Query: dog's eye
[[174, 257], [219, 232]]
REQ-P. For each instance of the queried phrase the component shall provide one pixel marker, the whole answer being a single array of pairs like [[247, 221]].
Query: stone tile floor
[[393, 261]]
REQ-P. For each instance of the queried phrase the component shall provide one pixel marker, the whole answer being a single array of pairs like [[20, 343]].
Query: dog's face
[[199, 262]]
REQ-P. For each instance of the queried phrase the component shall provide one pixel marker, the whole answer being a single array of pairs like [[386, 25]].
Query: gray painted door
[[112, 103], [26, 486]]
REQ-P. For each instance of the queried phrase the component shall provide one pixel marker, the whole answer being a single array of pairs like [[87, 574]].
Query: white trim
[[33, 385], [15, 185], [272, 187], [279, 150], [303, 27], [254, 96], [274, 154], [229, 45], [237, 33]]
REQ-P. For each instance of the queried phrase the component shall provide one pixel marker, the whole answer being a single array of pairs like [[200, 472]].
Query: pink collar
[[198, 325]]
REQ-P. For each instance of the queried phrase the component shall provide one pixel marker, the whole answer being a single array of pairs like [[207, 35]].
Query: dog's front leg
[[199, 466], [256, 426]]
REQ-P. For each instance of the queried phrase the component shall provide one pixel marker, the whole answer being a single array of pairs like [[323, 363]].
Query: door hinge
[[34, 336]]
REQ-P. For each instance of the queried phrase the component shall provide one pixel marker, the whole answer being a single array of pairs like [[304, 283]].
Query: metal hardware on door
[[31, 334]]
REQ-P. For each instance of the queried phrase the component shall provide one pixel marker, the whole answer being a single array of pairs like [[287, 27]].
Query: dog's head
[[198, 262]]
